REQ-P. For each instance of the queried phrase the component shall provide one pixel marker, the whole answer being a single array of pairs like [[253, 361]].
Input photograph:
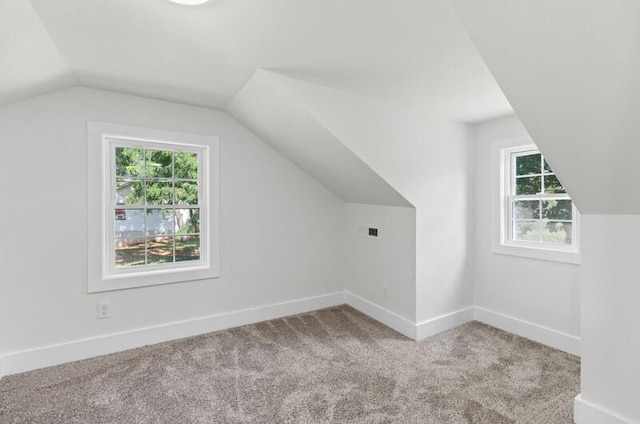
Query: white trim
[[397, 322], [444, 322], [585, 412], [538, 333], [415, 331], [100, 138], [47, 356], [532, 252]]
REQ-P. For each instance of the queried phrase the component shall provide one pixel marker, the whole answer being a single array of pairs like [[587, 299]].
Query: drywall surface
[[445, 208], [570, 70], [428, 160], [610, 321], [282, 233], [542, 292], [414, 52], [382, 269], [31, 62], [266, 107]]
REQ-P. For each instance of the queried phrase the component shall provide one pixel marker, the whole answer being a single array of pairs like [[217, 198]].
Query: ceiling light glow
[[189, 2]]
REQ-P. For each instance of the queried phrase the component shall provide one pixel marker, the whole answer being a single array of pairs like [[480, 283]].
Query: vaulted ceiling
[[571, 71], [30, 63], [411, 51], [569, 68], [413, 56]]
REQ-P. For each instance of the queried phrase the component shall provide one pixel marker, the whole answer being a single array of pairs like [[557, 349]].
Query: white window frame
[[503, 243], [102, 273]]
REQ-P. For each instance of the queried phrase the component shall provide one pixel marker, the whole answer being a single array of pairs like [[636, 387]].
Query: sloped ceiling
[[266, 105], [408, 149], [30, 63], [571, 71], [412, 53]]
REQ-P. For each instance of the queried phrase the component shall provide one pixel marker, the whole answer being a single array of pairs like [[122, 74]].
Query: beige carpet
[[331, 366]]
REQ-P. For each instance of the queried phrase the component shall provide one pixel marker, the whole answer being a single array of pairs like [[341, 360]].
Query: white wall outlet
[[385, 291], [104, 310]]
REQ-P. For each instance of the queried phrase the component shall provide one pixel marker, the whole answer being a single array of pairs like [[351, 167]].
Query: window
[[155, 191], [153, 196], [537, 217]]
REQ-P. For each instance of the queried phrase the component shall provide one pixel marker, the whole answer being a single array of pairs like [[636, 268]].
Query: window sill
[[539, 253], [153, 278]]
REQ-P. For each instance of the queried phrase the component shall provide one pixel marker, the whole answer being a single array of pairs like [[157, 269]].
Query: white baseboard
[[547, 336], [46, 356], [405, 326], [399, 323], [585, 412], [444, 322]]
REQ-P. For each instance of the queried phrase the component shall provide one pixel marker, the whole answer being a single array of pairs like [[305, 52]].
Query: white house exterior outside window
[[153, 207]]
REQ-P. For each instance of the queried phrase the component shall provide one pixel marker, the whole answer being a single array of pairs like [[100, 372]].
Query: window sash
[[510, 198], [110, 270], [512, 220]]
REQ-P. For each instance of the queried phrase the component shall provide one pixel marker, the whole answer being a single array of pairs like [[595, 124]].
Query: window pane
[[159, 193], [159, 250], [160, 222], [528, 164], [186, 193], [557, 209], [528, 185], [187, 166], [557, 232], [129, 162], [526, 209], [526, 230], [187, 221], [552, 185], [129, 226], [129, 192], [159, 164], [129, 254], [547, 168], [187, 248]]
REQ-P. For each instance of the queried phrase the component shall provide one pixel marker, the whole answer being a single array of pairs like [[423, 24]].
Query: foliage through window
[[156, 209], [539, 210]]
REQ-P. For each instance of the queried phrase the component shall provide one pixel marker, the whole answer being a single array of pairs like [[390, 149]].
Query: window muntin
[[155, 194], [539, 212]]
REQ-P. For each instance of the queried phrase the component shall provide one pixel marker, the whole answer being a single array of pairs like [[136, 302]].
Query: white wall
[[387, 260], [282, 234], [610, 320], [428, 159], [443, 164], [541, 292]]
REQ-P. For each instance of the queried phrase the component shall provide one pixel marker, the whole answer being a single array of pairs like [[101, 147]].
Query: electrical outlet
[[104, 310], [385, 291]]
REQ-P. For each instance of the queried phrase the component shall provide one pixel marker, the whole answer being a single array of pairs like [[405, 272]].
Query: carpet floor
[[330, 366]]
